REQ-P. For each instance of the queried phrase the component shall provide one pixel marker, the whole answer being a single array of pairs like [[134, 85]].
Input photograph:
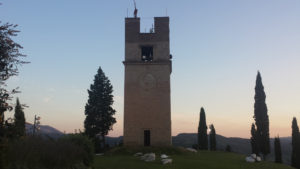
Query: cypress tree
[[277, 149], [295, 144], [212, 138], [98, 110], [253, 140], [261, 118], [202, 131], [19, 125]]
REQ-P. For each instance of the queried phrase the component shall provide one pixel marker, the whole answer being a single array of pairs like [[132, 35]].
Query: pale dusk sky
[[217, 47]]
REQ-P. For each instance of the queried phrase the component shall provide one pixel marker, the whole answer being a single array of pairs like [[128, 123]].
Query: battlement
[[147, 47], [159, 33]]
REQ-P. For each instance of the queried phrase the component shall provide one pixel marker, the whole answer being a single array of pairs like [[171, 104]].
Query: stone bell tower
[[147, 109]]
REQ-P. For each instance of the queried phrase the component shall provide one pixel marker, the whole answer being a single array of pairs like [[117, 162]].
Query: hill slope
[[238, 145], [45, 130], [204, 159]]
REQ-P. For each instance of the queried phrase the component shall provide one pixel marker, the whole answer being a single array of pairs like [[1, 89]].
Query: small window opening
[[147, 53]]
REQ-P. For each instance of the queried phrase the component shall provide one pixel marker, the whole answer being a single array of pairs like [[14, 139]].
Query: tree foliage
[[19, 123], [202, 131], [212, 138], [261, 118], [98, 110], [10, 60], [277, 149], [73, 151], [295, 144], [253, 140]]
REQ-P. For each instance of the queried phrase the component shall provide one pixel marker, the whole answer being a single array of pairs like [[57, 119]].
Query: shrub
[[85, 143], [69, 152]]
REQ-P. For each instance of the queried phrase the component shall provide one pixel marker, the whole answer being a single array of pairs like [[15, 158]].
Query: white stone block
[[250, 159], [163, 156], [166, 161], [191, 150]]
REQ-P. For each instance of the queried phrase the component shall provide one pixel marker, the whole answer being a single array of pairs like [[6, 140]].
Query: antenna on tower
[[134, 4], [135, 10]]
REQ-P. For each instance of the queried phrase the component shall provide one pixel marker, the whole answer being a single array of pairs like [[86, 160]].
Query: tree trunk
[[1, 140], [2, 150], [103, 141]]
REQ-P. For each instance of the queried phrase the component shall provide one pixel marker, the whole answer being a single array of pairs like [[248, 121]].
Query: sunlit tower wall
[[148, 66]]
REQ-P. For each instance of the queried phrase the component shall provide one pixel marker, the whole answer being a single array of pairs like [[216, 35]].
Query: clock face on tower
[[147, 81]]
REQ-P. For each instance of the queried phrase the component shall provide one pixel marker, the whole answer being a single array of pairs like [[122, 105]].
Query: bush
[[85, 143], [69, 152]]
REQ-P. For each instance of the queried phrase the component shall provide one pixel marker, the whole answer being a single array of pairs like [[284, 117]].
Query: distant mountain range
[[45, 130], [238, 145]]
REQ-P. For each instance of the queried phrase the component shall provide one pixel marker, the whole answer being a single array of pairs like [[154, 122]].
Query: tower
[[148, 66]]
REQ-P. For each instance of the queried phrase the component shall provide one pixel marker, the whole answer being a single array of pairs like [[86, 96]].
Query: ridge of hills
[[45, 130]]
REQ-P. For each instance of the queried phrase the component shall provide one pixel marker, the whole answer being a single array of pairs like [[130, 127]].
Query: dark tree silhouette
[[202, 131], [212, 138], [10, 59], [277, 149], [98, 110], [295, 144], [253, 140], [19, 124], [261, 118]]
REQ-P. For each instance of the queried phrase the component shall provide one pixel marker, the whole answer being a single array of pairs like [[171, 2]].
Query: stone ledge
[[147, 63]]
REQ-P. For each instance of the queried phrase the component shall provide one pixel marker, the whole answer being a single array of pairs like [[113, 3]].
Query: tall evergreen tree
[[212, 138], [98, 110], [19, 126], [253, 139], [261, 118], [295, 144], [277, 149], [202, 131]]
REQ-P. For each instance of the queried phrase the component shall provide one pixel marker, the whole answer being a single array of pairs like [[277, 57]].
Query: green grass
[[124, 159]]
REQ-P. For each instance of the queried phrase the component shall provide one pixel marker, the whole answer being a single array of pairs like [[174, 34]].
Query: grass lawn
[[200, 160]]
